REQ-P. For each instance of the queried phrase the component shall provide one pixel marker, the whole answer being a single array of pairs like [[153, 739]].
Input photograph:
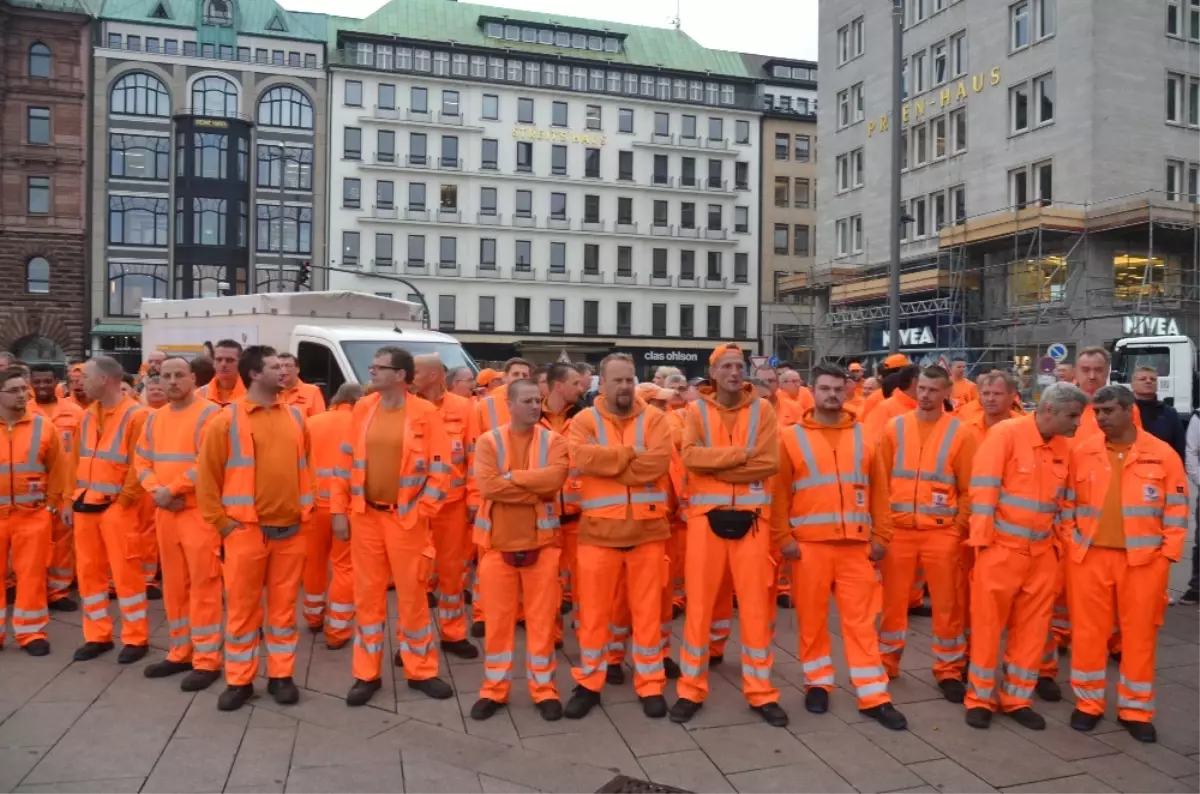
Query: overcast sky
[[766, 27]]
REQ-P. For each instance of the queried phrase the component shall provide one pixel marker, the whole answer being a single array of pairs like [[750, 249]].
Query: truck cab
[[1173, 357]]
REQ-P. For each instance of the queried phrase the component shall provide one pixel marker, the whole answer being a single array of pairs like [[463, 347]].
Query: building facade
[[44, 96], [546, 184], [210, 138]]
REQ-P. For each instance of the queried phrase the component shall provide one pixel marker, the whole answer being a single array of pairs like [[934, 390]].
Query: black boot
[[816, 700], [887, 716], [1048, 690], [654, 706], [979, 718], [234, 697], [166, 668], [1142, 731], [684, 710], [484, 708], [284, 690], [153, 592], [615, 675], [784, 601], [435, 688], [953, 689], [1082, 721], [582, 701], [715, 659], [671, 668], [63, 605], [1028, 718], [362, 692], [90, 650], [773, 714], [198, 680], [132, 653], [463, 649], [36, 648], [478, 629], [551, 710]]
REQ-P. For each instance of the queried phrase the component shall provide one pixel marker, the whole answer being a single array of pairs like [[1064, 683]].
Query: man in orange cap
[[855, 372], [894, 362], [900, 392]]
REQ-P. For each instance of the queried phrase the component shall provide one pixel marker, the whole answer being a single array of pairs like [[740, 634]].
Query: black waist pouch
[[731, 524], [521, 559], [279, 533]]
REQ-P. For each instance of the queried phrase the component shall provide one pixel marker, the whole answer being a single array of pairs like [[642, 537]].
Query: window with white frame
[[1043, 181], [843, 44], [1018, 108], [1175, 177], [937, 135], [958, 131], [857, 103], [1175, 97], [1193, 183], [920, 138], [1019, 24], [958, 54], [958, 204], [937, 212], [1043, 21], [919, 74], [858, 37], [1183, 19], [849, 235], [1018, 188], [919, 212], [1193, 102], [1043, 93], [843, 101], [849, 170], [939, 62], [918, 10]]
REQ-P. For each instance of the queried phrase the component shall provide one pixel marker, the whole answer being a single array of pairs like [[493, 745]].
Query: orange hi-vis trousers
[[1059, 636], [60, 571], [451, 543], [568, 560], [1102, 581], [328, 579], [722, 616], [504, 587], [844, 569], [191, 563], [938, 553], [709, 559], [111, 541], [619, 626], [379, 547], [148, 552], [26, 533], [642, 570], [254, 563], [677, 552], [1010, 591], [916, 593]]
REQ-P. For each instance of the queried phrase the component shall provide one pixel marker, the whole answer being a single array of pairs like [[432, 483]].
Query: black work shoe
[[582, 701], [362, 692], [165, 668], [676, 611], [153, 592], [654, 706], [551, 710], [1082, 721], [463, 649], [431, 600], [953, 689], [284, 690], [485, 708], [1028, 718], [816, 700], [234, 697], [980, 718], [671, 668], [886, 715], [615, 675], [478, 630], [63, 605], [1142, 731], [435, 688], [90, 650], [398, 659], [772, 714], [132, 653], [1191, 597], [784, 601], [921, 611], [1048, 690], [37, 648], [684, 710], [715, 659], [565, 607], [198, 680]]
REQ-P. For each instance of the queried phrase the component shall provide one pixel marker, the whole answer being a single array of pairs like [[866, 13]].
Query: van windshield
[[361, 354], [1127, 359]]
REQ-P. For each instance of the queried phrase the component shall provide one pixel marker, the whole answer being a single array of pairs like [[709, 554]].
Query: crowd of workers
[[609, 514]]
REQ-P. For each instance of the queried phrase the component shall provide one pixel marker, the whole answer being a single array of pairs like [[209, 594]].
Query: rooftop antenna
[[678, 16]]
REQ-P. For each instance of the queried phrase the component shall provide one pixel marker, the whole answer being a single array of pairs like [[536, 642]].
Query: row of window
[[800, 237], [1183, 19], [936, 65], [927, 215], [851, 40], [552, 37], [146, 158], [142, 94], [789, 104], [1030, 21], [1183, 181], [802, 197], [932, 141], [1183, 99], [141, 221], [783, 147], [223, 52], [794, 72]]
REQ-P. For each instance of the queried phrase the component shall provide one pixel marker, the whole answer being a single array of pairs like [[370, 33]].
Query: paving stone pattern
[[101, 727]]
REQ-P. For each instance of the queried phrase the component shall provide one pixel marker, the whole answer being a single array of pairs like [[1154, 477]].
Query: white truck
[[334, 335], [1174, 357]]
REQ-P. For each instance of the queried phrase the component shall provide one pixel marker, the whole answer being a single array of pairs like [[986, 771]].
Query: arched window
[[214, 96], [284, 106], [218, 12], [139, 94], [39, 60], [37, 276]]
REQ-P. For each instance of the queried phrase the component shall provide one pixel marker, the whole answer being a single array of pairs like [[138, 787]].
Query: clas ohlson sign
[[950, 94]]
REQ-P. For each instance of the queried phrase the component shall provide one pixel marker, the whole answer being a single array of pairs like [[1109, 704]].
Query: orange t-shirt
[[1110, 529], [385, 443]]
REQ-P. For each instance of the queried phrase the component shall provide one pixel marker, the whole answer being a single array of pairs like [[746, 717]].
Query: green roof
[[60, 6], [251, 17], [448, 21]]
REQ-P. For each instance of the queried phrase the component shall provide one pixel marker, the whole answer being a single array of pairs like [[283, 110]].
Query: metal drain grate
[[623, 784]]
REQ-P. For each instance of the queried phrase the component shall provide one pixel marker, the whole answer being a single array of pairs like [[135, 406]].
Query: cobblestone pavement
[[97, 726]]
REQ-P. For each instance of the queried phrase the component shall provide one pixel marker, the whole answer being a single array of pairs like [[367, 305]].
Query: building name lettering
[[949, 94], [217, 123], [911, 336], [1147, 325], [560, 136], [674, 355]]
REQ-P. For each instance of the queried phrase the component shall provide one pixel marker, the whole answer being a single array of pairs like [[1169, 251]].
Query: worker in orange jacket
[[398, 459], [76, 392], [925, 461], [854, 373], [1129, 523], [66, 417], [962, 390], [677, 546], [449, 525], [166, 458], [328, 574], [520, 469], [731, 452], [1019, 487], [34, 472], [900, 389], [461, 381], [104, 514], [304, 396], [793, 395], [828, 461], [621, 448], [154, 391], [871, 399], [226, 387], [258, 496]]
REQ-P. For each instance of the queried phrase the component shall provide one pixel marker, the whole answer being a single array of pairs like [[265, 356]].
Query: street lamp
[[897, 159]]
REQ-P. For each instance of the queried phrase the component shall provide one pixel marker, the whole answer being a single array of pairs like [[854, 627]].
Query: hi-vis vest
[[830, 497], [327, 432], [604, 497], [21, 465], [572, 491], [924, 491], [168, 465], [539, 457], [706, 493], [104, 458], [237, 493]]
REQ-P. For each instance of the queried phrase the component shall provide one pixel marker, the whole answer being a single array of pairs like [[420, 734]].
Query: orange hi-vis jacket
[[33, 466], [728, 467], [106, 454], [456, 420], [425, 468], [677, 471], [495, 462], [66, 416], [307, 398], [962, 392], [973, 414], [1154, 498], [491, 411], [212, 392], [791, 410], [1089, 427], [895, 405], [572, 489], [1019, 487], [326, 432], [167, 452], [870, 403], [237, 492], [924, 486]]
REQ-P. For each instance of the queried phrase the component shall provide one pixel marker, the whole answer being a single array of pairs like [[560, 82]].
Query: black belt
[[80, 506], [381, 507], [279, 533]]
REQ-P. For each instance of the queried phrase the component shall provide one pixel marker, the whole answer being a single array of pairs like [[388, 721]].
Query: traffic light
[[305, 274]]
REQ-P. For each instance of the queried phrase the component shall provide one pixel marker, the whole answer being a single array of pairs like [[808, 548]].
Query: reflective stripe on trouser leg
[[148, 539], [940, 558], [502, 583], [175, 581], [1141, 601], [597, 581], [541, 592], [645, 585], [1027, 625], [898, 569], [812, 584], [124, 561], [318, 534], [285, 569], [407, 556], [451, 539], [751, 570], [27, 537], [339, 608], [619, 622], [61, 570], [477, 615], [722, 616], [1060, 620], [855, 589], [201, 551], [706, 566], [91, 560], [245, 574], [666, 608]]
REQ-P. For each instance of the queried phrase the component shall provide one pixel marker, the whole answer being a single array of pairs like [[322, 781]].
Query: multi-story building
[[44, 95], [1050, 174], [788, 197], [210, 138], [546, 183]]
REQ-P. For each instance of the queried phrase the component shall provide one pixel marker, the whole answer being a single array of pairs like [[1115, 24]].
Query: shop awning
[[116, 329]]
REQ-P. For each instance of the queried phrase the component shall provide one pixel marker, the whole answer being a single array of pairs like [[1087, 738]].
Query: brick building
[[44, 65]]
